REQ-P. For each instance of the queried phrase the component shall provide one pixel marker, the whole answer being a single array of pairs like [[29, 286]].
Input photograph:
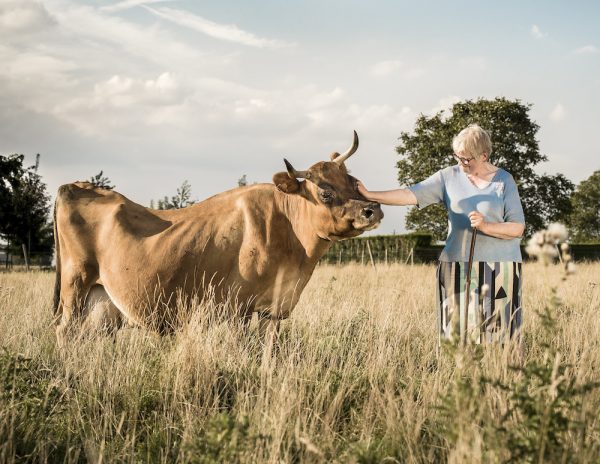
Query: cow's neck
[[302, 216]]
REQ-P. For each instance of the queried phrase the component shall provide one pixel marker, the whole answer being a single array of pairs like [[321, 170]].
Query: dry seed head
[[534, 247], [557, 232], [564, 247], [485, 288], [537, 238], [549, 251], [571, 268]]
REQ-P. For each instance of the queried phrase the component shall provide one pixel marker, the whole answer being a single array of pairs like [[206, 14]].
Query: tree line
[[25, 207]]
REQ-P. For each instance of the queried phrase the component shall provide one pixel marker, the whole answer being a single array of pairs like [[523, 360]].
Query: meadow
[[356, 377]]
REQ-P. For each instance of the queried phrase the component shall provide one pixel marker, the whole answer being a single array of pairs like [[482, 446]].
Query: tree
[[11, 170], [26, 206], [101, 181], [242, 181], [180, 200], [515, 149], [585, 216]]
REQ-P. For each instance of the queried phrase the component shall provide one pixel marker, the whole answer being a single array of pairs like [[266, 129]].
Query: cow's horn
[[343, 157], [292, 172]]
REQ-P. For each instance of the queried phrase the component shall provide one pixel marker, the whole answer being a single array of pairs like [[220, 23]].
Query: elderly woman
[[477, 195]]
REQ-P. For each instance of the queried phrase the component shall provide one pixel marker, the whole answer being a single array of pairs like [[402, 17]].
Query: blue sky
[[155, 92]]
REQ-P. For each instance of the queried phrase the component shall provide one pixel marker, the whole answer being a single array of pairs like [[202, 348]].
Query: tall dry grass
[[355, 378]]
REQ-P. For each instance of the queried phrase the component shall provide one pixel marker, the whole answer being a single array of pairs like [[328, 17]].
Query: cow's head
[[340, 211]]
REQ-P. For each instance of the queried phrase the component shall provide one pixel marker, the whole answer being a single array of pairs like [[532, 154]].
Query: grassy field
[[356, 378]]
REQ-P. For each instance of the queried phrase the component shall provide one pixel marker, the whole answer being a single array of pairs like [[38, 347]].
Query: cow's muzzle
[[370, 217]]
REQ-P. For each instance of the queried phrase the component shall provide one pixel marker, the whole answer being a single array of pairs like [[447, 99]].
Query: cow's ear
[[285, 183]]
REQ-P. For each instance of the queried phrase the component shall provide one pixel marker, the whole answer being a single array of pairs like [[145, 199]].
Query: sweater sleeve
[[429, 191]]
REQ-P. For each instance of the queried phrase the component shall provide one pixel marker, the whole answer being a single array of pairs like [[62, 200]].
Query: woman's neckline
[[484, 186]]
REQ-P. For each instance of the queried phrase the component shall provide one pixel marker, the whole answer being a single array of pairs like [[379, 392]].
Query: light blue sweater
[[498, 202]]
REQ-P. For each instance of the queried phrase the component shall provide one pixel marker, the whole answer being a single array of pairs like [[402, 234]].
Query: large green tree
[[585, 217], [24, 214], [428, 148]]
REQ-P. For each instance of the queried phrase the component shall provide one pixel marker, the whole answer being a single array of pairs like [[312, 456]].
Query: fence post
[[370, 254], [26, 257], [410, 256]]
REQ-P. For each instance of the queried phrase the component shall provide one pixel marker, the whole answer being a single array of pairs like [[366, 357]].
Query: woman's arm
[[505, 230], [397, 197]]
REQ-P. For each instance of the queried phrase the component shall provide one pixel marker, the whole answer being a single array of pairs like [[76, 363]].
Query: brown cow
[[119, 261]]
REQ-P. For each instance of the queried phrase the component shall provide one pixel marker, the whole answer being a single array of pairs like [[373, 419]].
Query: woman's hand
[[362, 189], [476, 219], [504, 230]]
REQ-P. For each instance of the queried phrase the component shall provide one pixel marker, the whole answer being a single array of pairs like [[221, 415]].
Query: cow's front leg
[[74, 289]]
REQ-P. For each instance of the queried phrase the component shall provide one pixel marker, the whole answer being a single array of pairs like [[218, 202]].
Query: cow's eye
[[326, 196]]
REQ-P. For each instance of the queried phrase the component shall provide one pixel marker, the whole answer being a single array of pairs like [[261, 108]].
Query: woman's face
[[469, 163]]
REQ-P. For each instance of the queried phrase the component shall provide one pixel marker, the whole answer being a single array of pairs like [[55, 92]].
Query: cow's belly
[[142, 280], [99, 312], [146, 281]]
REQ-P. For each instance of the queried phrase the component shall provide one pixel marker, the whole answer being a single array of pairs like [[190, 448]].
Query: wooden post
[[410, 256], [370, 254], [26, 257]]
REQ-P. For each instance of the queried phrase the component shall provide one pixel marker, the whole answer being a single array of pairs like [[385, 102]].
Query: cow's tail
[[57, 259]]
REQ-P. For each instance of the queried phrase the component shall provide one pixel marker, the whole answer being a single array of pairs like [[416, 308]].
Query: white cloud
[[537, 33], [323, 99], [388, 68], [126, 92], [23, 16], [558, 113], [228, 32], [586, 50], [122, 103], [126, 4], [385, 68], [88, 31], [35, 66], [472, 63], [444, 104]]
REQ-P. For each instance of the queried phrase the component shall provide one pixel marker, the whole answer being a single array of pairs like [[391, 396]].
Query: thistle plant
[[545, 401], [542, 398]]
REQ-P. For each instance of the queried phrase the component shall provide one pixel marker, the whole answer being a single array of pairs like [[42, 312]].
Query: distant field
[[356, 378]]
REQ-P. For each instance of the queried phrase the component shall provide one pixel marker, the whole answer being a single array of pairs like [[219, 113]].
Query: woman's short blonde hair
[[473, 141]]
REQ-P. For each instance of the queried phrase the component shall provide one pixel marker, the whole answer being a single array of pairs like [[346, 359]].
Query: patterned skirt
[[494, 314]]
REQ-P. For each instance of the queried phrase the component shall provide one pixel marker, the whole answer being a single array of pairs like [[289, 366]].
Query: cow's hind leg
[[73, 291]]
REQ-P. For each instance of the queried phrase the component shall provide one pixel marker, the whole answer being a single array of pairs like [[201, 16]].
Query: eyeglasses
[[461, 160]]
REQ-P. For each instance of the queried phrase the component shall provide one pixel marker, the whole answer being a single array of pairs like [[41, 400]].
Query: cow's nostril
[[368, 212]]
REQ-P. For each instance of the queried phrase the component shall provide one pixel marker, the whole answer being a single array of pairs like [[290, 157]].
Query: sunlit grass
[[355, 378]]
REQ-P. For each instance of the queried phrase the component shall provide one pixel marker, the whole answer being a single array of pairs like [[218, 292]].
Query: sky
[[157, 92]]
